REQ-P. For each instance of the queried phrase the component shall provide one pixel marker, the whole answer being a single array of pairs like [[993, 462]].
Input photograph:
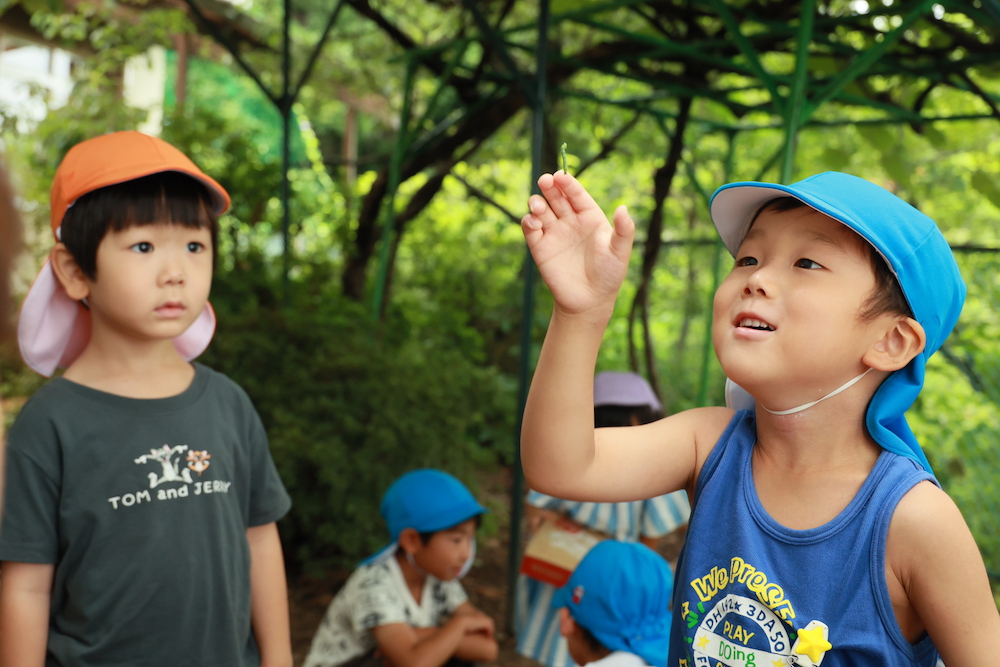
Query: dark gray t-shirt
[[143, 507]]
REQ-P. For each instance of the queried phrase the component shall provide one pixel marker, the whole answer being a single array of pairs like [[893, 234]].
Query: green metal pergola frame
[[755, 36]]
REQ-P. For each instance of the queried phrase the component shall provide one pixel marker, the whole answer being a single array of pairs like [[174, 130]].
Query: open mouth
[[752, 323]]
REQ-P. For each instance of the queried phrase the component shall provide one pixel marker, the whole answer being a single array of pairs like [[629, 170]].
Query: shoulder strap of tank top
[[742, 429]]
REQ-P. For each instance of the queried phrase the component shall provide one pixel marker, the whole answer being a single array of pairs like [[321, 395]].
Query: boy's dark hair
[[886, 297], [593, 643], [426, 537], [621, 415], [164, 197]]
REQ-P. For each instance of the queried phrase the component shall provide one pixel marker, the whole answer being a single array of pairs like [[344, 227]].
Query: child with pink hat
[[139, 526]]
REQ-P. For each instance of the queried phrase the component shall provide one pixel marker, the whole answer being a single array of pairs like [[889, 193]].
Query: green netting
[[211, 85]]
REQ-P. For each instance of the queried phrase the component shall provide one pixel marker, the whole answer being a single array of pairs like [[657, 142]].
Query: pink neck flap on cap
[[53, 329]]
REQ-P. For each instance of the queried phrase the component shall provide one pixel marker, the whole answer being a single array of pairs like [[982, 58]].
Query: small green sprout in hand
[[562, 153]]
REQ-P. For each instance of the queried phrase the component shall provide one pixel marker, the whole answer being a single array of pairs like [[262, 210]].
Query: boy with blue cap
[[620, 399], [613, 611], [818, 533], [404, 606]]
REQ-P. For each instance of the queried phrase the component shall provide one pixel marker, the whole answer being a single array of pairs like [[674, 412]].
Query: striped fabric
[[537, 622]]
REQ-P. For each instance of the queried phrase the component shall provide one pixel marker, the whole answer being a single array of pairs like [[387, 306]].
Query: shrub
[[349, 406]]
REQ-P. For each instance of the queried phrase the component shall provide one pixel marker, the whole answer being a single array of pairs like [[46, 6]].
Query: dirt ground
[[486, 583]]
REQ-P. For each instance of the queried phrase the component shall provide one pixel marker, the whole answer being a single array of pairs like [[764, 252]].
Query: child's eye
[[746, 261], [143, 247], [805, 263], [195, 246]]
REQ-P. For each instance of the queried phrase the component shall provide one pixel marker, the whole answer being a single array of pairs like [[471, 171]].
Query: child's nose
[[758, 283], [172, 273]]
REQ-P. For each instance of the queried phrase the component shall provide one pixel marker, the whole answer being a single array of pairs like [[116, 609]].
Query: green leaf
[[836, 158], [987, 185]]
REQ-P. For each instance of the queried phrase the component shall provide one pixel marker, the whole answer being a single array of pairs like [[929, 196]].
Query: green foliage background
[[350, 403]]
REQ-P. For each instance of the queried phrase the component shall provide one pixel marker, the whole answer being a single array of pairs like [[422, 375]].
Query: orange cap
[[116, 158], [53, 329]]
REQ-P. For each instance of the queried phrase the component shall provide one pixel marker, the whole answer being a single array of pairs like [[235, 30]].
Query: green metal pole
[[286, 137], [748, 51], [706, 350], [527, 314], [442, 83], [870, 56], [395, 167], [794, 111]]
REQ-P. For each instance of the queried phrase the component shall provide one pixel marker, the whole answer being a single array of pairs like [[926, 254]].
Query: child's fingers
[[554, 195], [624, 233], [539, 208], [539, 215], [575, 195]]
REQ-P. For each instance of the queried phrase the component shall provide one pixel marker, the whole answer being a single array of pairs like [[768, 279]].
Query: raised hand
[[580, 256]]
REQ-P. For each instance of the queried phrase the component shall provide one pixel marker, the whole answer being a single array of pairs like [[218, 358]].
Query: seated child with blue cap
[[818, 533], [404, 606], [620, 399], [614, 610]]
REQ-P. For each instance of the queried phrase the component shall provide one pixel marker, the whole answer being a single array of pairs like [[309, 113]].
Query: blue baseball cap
[[426, 500], [915, 251], [620, 592]]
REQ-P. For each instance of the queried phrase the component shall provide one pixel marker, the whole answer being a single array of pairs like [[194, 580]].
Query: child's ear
[[409, 540], [903, 340], [68, 273]]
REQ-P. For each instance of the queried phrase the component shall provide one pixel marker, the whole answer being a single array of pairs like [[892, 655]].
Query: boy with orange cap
[[139, 526]]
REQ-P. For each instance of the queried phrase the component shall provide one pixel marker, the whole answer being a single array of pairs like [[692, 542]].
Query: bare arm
[[269, 596], [536, 516], [651, 542], [583, 260], [479, 645], [932, 559], [25, 592], [405, 646]]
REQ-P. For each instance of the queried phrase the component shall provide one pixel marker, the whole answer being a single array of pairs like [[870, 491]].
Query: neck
[[830, 430], [807, 469], [152, 371], [413, 576], [591, 655], [805, 406]]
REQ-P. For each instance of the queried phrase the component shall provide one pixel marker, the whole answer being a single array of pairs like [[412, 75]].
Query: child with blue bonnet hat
[[614, 609], [621, 398], [818, 533], [404, 605]]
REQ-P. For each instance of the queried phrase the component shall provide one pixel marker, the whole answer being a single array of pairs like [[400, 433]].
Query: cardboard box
[[555, 549]]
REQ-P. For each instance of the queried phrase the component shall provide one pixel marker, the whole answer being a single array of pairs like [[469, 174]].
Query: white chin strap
[[805, 406]]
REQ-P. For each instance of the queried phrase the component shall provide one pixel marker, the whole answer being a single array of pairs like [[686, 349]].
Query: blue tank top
[[751, 593]]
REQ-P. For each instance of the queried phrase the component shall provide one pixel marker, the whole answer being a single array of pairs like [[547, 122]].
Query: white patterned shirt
[[376, 594]]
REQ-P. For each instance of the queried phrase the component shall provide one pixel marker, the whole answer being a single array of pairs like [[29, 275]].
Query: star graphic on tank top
[[703, 642], [812, 642]]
